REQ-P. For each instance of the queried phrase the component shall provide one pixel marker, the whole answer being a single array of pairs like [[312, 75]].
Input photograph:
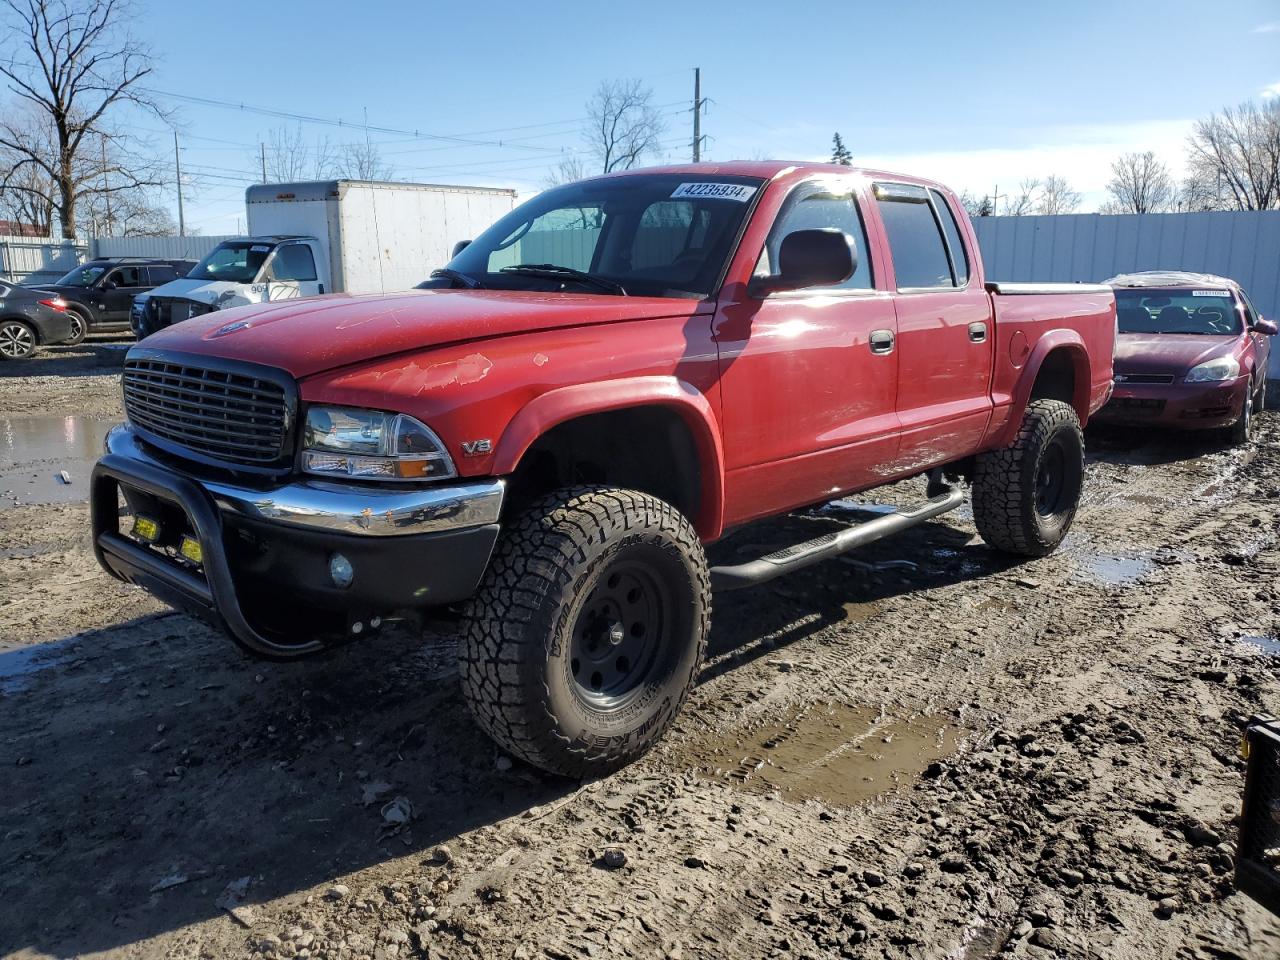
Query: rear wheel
[[1025, 496], [17, 340], [585, 636], [79, 326]]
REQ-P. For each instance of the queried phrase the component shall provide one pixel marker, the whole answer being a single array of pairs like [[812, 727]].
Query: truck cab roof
[[773, 169]]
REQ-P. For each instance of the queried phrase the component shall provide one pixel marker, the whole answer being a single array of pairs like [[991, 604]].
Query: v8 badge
[[476, 448]]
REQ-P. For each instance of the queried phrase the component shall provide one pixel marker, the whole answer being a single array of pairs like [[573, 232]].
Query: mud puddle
[[1261, 643], [1116, 570], [19, 666], [835, 754], [35, 451]]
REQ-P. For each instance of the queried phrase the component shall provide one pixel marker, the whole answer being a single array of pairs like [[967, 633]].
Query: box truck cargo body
[[327, 236]]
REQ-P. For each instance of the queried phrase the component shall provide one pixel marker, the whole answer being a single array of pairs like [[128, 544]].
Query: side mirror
[[809, 258], [459, 247], [1265, 326]]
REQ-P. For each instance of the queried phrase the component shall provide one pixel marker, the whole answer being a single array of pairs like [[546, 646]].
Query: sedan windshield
[[236, 261], [85, 276], [656, 235], [1205, 312]]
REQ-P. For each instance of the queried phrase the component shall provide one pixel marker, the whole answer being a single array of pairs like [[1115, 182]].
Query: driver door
[[118, 289], [292, 272]]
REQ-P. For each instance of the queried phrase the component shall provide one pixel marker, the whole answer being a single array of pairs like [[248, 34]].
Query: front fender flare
[[566, 403]]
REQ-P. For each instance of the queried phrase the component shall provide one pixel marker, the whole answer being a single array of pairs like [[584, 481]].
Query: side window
[[1250, 315], [127, 277], [955, 246], [915, 240], [159, 273], [293, 261], [815, 206]]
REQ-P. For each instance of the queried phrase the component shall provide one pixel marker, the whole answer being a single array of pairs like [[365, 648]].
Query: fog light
[[144, 528], [190, 550], [340, 571]]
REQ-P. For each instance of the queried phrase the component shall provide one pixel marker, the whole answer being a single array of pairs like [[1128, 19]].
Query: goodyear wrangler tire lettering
[[587, 633]]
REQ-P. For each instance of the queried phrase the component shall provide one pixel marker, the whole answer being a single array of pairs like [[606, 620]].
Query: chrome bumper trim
[[344, 508]]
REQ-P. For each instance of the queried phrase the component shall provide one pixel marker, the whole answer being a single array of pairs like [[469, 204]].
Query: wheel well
[[649, 449], [1056, 378]]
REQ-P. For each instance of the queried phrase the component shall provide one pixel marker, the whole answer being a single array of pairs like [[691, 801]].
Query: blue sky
[[973, 94]]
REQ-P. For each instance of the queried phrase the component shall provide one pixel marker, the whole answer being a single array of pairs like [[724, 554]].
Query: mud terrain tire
[[588, 629], [1025, 496]]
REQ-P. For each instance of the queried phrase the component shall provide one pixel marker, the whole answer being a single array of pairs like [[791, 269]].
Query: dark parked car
[[1192, 353], [30, 318], [100, 293]]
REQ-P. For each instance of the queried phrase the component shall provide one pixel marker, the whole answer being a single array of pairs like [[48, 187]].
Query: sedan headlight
[[372, 445], [1223, 368]]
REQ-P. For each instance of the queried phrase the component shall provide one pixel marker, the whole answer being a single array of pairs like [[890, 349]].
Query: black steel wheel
[[1025, 496], [587, 632]]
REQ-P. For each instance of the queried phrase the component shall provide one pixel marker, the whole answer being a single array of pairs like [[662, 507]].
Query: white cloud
[[1082, 154], [1272, 27], [1271, 90]]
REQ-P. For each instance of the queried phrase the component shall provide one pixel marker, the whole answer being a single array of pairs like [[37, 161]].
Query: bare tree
[[1057, 197], [623, 126], [1140, 183], [132, 214], [1023, 202], [26, 193], [361, 161], [974, 205], [74, 64], [569, 169], [288, 156], [1236, 155]]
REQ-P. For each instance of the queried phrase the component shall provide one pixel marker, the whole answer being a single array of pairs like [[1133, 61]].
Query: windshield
[[85, 276], [658, 235], [1207, 312], [237, 261]]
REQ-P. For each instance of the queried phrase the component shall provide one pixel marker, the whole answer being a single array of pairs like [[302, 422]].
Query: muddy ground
[[926, 750]]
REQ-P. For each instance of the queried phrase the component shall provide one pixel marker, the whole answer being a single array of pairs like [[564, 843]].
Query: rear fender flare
[[566, 403], [1071, 342]]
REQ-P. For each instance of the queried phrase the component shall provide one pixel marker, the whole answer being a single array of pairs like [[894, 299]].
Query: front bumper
[[1183, 406], [264, 573]]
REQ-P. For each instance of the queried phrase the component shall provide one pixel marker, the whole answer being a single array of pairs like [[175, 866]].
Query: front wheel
[[1025, 496], [79, 327], [17, 340], [1241, 432], [585, 636]]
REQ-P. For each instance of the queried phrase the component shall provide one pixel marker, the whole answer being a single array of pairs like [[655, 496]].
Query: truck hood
[[306, 337], [211, 292], [1175, 353]]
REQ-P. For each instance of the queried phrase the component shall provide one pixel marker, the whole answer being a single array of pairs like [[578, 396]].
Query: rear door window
[[955, 246], [919, 252]]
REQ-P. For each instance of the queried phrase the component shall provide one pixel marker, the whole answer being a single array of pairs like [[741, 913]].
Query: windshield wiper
[[457, 276], [555, 272]]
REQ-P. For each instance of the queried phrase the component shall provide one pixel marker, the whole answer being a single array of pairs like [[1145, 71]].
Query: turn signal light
[[144, 528]]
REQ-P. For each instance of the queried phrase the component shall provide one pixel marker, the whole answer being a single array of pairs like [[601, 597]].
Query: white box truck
[[327, 236]]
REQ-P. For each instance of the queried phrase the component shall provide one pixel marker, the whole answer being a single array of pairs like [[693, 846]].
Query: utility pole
[[177, 165], [698, 104], [262, 151], [995, 201], [105, 184]]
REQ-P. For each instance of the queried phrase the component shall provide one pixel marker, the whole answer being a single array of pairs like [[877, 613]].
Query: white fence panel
[[37, 260]]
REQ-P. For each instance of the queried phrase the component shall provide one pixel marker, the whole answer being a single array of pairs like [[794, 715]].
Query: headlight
[[1223, 368], [372, 445]]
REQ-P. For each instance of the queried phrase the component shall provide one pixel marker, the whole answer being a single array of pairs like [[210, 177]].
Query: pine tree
[[840, 153]]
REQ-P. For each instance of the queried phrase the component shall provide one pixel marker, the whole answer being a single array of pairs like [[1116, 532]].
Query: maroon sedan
[[1191, 354]]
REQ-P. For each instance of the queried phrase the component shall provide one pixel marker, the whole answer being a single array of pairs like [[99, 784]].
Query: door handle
[[978, 332], [881, 341]]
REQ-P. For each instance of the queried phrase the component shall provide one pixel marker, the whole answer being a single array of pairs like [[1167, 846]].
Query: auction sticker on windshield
[[1210, 293], [713, 191]]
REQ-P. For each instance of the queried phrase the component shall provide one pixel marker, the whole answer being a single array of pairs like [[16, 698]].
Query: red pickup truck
[[604, 381]]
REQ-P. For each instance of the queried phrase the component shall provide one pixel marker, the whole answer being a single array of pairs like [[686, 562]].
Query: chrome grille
[[218, 413]]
